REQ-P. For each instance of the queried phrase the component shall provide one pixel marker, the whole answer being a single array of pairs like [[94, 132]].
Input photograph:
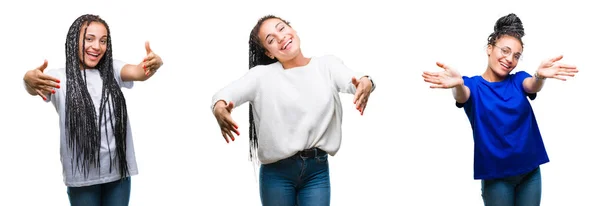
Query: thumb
[[354, 81], [148, 50], [43, 66], [230, 106], [442, 65], [559, 57]]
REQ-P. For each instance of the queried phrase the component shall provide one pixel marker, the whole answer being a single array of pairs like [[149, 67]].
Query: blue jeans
[[109, 194], [519, 190], [302, 179]]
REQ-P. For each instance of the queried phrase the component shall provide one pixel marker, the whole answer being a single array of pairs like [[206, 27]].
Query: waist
[[310, 153]]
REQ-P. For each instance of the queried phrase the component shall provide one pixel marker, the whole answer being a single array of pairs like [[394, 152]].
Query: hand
[[152, 61], [223, 114], [41, 83], [552, 69], [449, 78], [363, 91]]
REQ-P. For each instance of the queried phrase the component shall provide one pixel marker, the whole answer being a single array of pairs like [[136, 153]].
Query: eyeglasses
[[506, 51]]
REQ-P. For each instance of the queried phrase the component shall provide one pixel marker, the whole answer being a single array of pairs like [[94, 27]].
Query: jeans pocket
[[321, 159]]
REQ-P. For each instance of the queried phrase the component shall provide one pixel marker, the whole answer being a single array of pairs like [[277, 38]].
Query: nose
[[280, 38], [510, 58], [95, 45]]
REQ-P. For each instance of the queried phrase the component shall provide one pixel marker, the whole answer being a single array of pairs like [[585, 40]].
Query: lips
[[92, 55], [286, 45], [505, 66]]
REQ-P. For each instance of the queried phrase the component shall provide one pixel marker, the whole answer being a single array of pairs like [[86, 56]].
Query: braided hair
[[510, 25], [257, 57], [83, 125]]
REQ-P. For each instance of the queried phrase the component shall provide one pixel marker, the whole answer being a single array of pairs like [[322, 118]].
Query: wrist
[[537, 76]]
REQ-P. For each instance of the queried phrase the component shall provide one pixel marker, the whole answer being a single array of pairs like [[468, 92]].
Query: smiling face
[[279, 40], [92, 46], [504, 55]]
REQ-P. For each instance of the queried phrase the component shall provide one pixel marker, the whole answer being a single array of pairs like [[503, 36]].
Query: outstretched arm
[[449, 78], [550, 68], [38, 83], [238, 92], [347, 81], [145, 69]]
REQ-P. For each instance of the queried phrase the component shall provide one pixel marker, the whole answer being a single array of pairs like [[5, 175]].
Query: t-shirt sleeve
[[117, 67], [518, 79], [469, 83]]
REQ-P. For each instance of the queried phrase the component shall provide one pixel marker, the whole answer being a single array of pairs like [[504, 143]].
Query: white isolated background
[[412, 146]]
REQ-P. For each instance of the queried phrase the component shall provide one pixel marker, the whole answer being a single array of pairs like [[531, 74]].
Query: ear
[[269, 55], [489, 49]]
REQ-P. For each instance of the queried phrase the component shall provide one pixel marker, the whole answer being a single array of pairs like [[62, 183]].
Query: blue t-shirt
[[506, 135]]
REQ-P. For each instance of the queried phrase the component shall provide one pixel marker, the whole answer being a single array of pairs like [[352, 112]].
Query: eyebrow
[[268, 35]]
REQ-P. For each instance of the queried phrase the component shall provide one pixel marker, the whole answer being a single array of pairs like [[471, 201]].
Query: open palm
[[551, 68], [448, 78]]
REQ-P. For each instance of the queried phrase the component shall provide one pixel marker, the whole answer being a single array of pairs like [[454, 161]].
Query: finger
[[437, 86], [50, 83], [567, 66], [148, 50], [442, 65], [231, 136], [231, 124], [47, 89], [363, 109], [355, 82], [43, 66], [360, 101], [565, 74], [224, 136], [554, 59], [152, 64], [433, 74], [432, 81], [51, 79], [41, 94], [357, 94], [559, 78], [230, 106]]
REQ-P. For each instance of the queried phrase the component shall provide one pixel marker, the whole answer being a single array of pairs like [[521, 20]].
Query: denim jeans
[[296, 181], [519, 190], [108, 194]]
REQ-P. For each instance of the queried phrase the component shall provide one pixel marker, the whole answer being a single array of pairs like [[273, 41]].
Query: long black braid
[[83, 127], [257, 57]]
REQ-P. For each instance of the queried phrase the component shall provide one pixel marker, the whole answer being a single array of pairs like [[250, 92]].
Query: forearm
[[461, 93], [137, 72], [533, 84]]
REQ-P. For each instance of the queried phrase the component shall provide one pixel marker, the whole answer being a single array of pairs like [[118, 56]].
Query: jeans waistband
[[310, 153]]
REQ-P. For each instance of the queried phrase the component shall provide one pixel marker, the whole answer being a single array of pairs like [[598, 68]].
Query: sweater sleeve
[[341, 75], [241, 90]]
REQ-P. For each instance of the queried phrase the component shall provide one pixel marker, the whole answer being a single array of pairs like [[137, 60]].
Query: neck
[[297, 61], [490, 76]]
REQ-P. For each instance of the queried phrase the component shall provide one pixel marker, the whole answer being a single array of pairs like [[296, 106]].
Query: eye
[[270, 41], [281, 29], [103, 41], [88, 39]]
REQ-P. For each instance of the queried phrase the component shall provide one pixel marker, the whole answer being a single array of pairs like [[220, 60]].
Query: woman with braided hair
[[97, 152], [295, 113], [508, 143]]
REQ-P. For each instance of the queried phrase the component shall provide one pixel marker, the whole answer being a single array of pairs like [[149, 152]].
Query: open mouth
[[92, 55], [285, 46], [504, 66]]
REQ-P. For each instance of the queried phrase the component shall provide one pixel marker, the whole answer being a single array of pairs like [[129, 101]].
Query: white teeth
[[286, 44], [504, 65]]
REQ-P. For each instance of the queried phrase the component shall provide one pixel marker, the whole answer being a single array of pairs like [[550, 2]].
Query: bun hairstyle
[[510, 25]]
